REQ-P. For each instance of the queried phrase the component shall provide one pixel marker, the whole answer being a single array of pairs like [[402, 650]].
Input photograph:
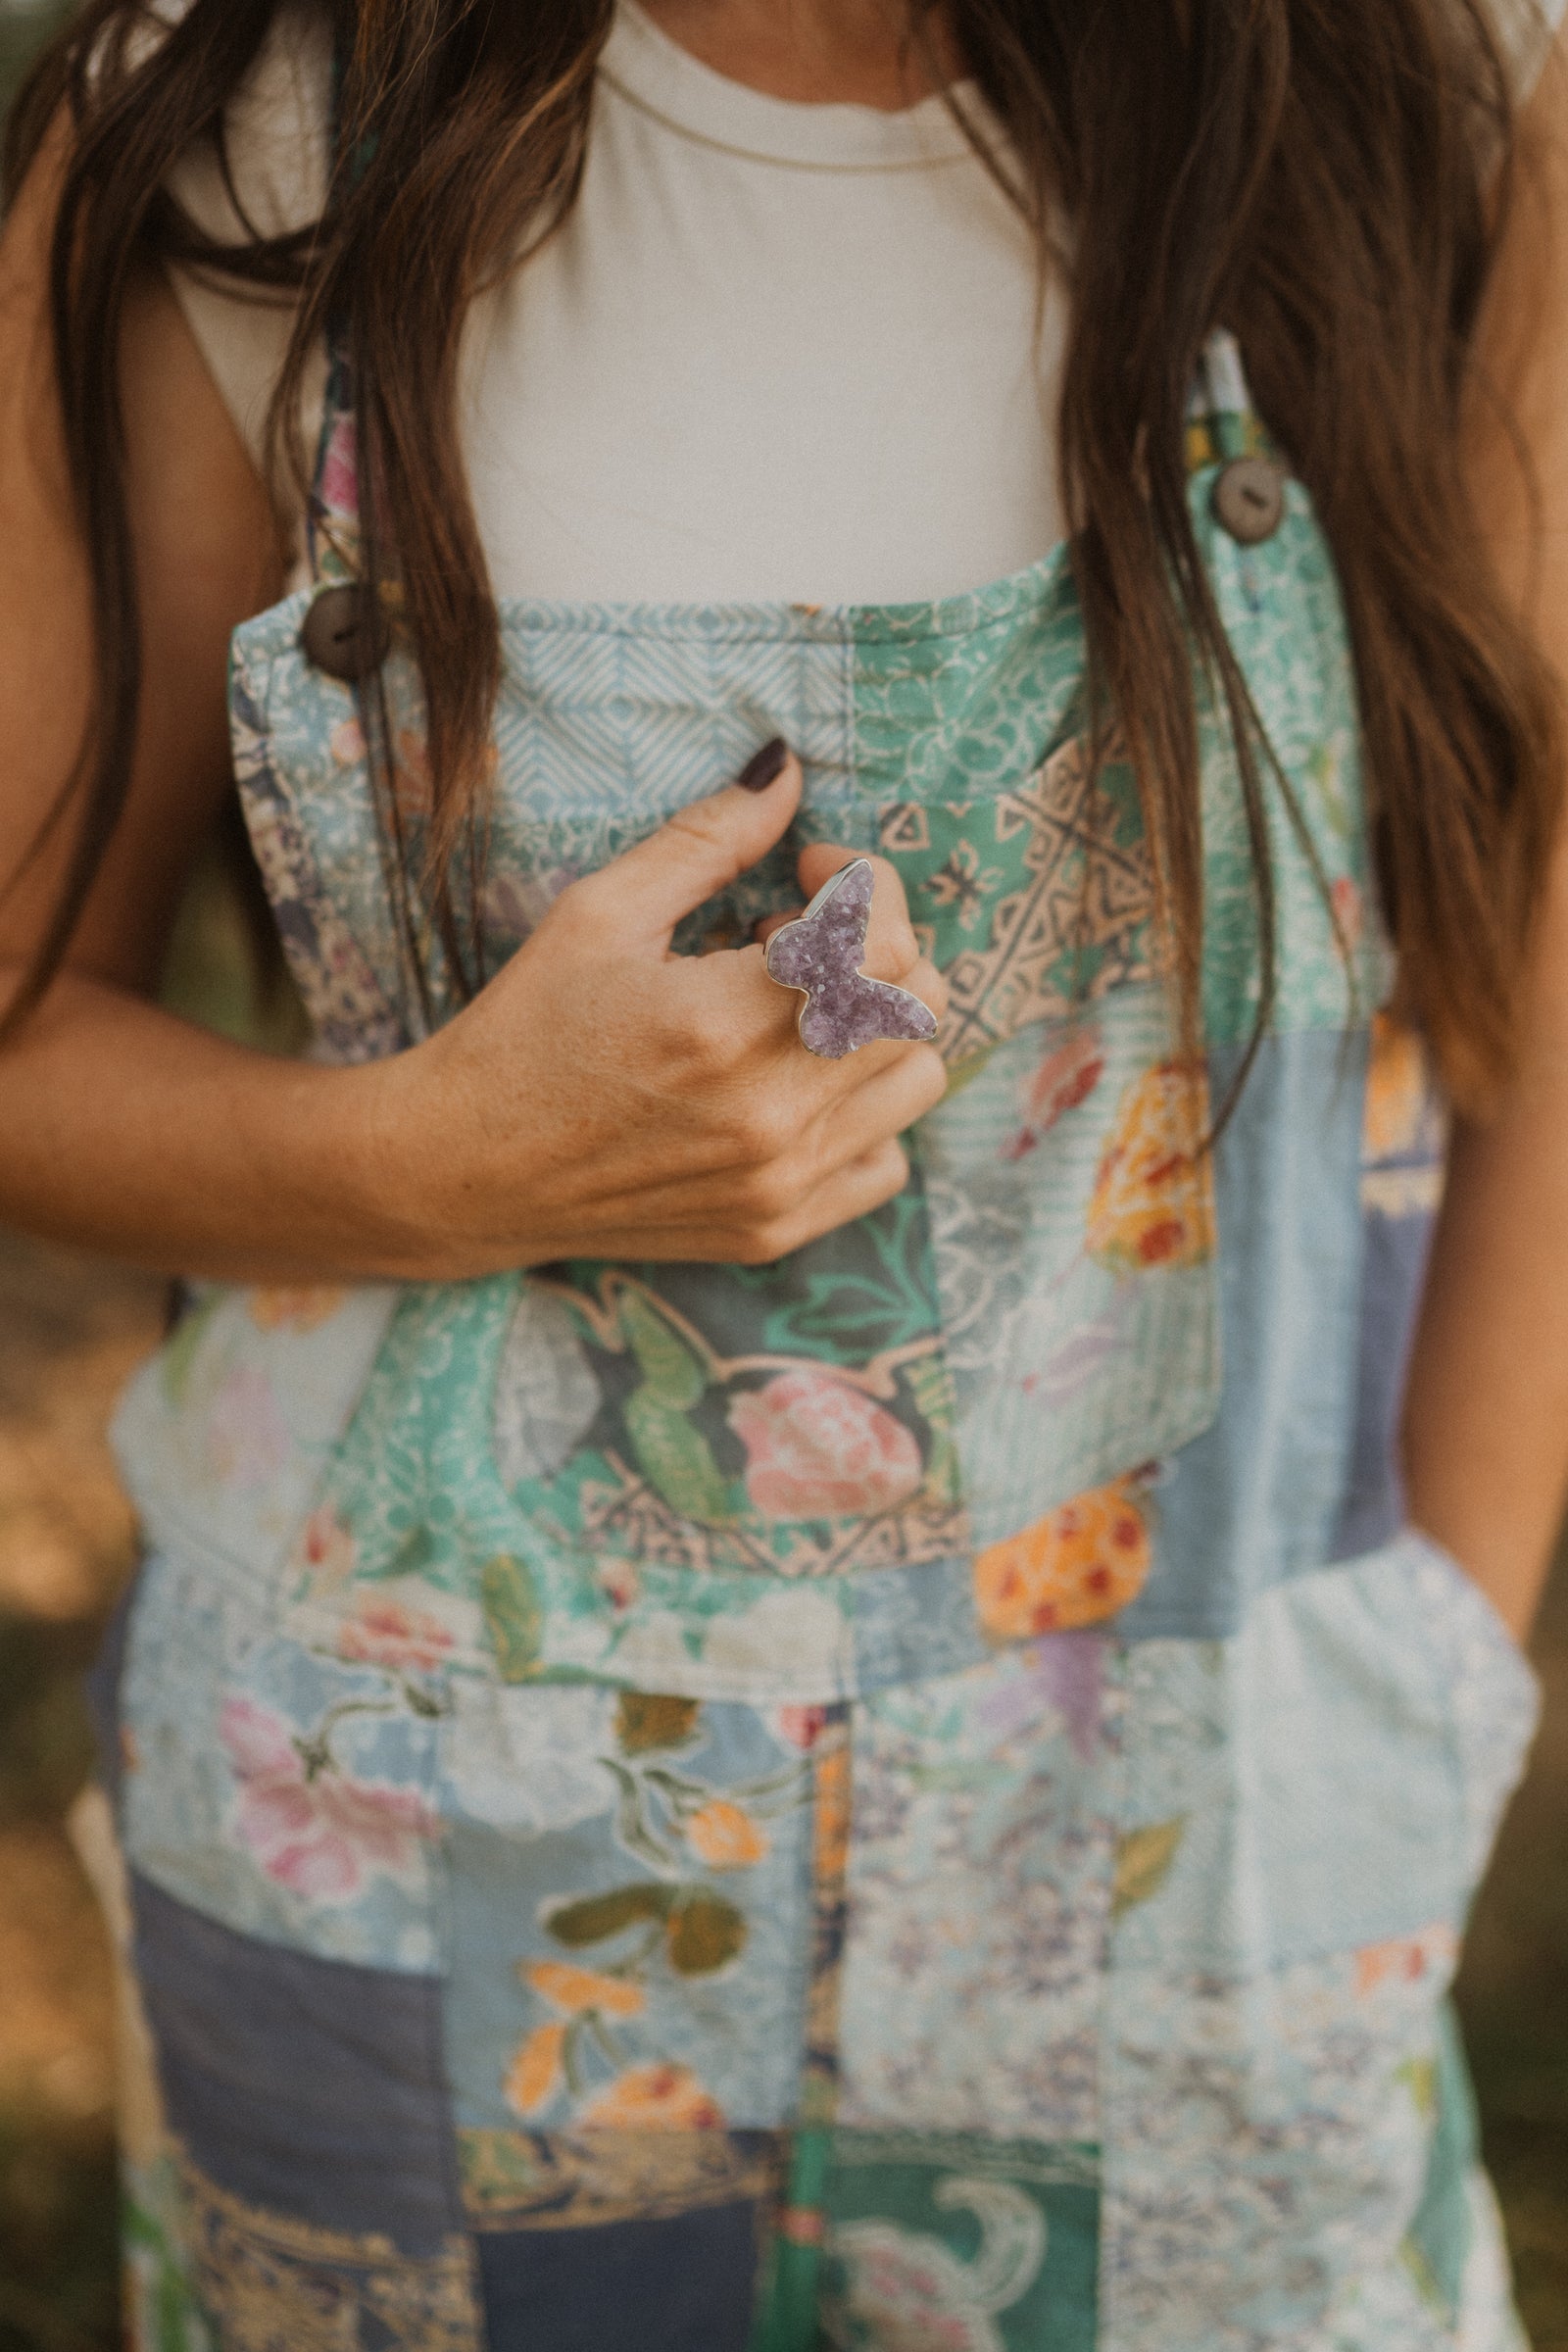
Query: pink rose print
[[1345, 901], [247, 1438], [1066, 1078], [340, 479], [817, 1447], [326, 1549], [802, 1727], [384, 1633], [316, 1831], [619, 1584], [348, 743]]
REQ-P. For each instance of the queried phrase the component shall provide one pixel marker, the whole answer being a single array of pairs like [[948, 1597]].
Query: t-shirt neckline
[[655, 74]]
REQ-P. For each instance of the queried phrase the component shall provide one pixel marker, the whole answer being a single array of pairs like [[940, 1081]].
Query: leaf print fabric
[[514, 1621], [626, 1956], [1143, 1859]]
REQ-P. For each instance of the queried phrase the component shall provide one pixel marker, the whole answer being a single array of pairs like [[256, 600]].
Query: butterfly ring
[[821, 953]]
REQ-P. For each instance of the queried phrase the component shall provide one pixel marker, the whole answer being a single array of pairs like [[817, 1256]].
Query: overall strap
[[1223, 430], [348, 630], [333, 508]]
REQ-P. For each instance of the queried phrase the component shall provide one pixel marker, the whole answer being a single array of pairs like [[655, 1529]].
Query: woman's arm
[[1486, 1429], [599, 1097]]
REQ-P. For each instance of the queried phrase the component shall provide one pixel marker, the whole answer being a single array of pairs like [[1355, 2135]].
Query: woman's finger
[[889, 1101], [852, 1190]]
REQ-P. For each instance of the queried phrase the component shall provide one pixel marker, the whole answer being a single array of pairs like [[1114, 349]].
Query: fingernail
[[764, 765]]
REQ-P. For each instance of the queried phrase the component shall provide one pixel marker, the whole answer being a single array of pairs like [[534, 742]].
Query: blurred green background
[[22, 25], [71, 1329]]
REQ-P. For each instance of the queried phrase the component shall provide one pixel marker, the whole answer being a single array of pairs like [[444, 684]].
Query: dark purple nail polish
[[764, 767]]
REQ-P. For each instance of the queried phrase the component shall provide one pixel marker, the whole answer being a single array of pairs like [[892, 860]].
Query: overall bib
[[917, 1797]]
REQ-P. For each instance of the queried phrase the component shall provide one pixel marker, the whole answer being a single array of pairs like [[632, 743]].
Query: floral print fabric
[[1195, 2011], [911, 1798]]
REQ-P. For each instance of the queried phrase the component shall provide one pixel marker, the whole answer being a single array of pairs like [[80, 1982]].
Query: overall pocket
[[1068, 1172], [1307, 1808]]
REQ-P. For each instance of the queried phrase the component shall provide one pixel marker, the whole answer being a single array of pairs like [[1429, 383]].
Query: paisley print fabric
[[916, 1796]]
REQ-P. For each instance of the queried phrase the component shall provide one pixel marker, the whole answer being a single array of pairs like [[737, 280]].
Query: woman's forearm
[[1486, 1429], [599, 1097], [129, 1131], [1486, 1433]]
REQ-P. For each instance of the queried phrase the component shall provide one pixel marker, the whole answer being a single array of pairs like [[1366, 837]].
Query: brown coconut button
[[345, 631], [1250, 500]]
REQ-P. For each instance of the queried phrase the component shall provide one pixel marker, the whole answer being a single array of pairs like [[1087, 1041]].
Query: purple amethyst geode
[[821, 953]]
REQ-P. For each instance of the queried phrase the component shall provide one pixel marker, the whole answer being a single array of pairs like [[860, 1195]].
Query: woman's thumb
[[701, 849]]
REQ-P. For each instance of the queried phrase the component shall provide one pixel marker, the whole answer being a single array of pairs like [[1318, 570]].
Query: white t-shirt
[[778, 351]]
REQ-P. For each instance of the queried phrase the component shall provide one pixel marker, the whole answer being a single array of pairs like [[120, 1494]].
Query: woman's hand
[[600, 1097], [604, 1098]]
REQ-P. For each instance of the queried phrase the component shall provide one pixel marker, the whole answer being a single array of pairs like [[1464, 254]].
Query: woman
[[781, 1693]]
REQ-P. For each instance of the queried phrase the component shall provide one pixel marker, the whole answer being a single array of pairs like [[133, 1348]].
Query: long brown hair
[[1315, 174]]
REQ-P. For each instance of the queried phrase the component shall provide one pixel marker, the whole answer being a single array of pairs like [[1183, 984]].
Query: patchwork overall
[[918, 1796]]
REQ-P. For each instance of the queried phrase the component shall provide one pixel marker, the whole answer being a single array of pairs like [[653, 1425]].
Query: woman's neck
[[818, 52]]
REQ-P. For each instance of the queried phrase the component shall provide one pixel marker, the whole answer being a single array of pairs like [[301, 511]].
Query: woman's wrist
[[415, 1152]]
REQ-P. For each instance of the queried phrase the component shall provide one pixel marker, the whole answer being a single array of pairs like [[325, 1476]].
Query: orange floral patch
[[295, 1307], [1395, 1090], [1081, 1563], [536, 2070], [1154, 1201], [660, 2098], [1405, 1959], [577, 1988], [724, 1836]]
